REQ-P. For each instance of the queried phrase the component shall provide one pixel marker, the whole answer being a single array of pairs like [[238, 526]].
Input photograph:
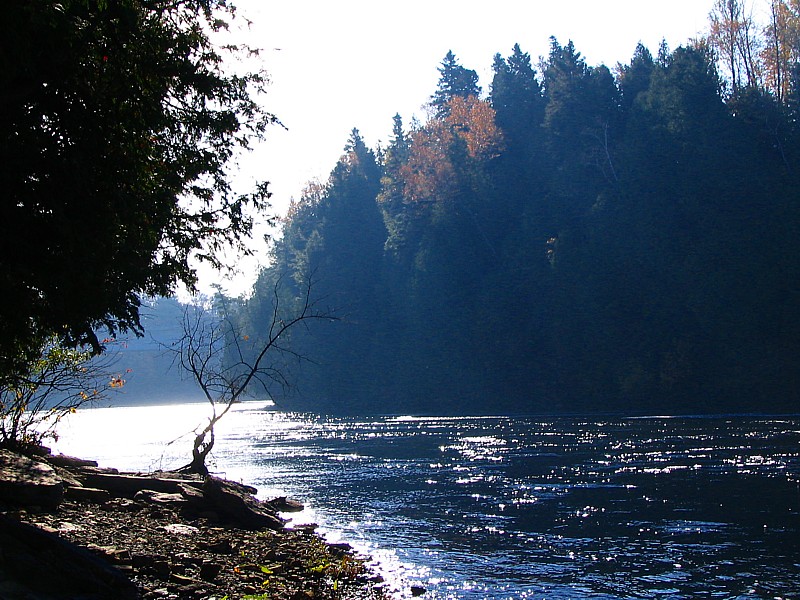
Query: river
[[510, 507]]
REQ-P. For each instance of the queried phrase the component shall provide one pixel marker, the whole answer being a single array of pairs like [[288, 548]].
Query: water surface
[[512, 507]]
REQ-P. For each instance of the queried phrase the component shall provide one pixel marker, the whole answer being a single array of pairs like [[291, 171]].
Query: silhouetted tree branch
[[225, 361]]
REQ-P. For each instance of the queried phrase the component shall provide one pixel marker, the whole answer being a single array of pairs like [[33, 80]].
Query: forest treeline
[[574, 239]]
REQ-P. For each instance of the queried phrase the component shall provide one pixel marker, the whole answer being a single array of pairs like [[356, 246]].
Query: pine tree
[[454, 81]]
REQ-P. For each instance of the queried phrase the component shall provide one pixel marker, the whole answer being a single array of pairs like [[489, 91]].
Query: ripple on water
[[499, 507]]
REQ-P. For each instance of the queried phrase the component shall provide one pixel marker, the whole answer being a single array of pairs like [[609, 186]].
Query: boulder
[[62, 460], [284, 504], [153, 497], [38, 563], [87, 494], [28, 482], [235, 502]]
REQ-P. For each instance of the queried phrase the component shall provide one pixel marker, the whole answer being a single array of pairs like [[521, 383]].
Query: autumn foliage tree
[[734, 34], [780, 50], [431, 173]]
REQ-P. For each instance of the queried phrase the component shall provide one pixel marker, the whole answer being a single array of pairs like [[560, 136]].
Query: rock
[[340, 549], [102, 470], [188, 559], [284, 504], [87, 494], [233, 501], [417, 591], [66, 527], [182, 579], [222, 546], [153, 497], [37, 450], [193, 496], [49, 565], [142, 561], [162, 568], [66, 475], [28, 482], [114, 555], [180, 529], [209, 571], [127, 484], [62, 460]]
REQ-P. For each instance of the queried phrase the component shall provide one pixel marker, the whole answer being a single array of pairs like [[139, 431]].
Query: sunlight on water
[[138, 438], [499, 507]]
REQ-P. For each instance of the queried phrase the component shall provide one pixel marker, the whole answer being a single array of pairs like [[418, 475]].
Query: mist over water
[[511, 507]]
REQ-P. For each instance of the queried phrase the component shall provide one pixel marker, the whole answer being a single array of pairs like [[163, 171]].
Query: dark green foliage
[[116, 126], [632, 245], [454, 80]]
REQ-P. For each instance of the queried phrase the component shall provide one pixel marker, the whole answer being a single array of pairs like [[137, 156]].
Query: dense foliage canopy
[[579, 239], [117, 123]]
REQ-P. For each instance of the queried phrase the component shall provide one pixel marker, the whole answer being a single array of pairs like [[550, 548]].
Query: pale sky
[[339, 64]]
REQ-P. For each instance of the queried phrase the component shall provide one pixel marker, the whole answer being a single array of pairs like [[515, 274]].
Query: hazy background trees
[[579, 238]]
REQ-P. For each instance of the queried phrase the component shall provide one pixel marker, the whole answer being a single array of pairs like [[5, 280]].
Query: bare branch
[[225, 363]]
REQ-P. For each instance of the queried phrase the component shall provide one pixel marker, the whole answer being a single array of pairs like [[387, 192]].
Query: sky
[[335, 65]]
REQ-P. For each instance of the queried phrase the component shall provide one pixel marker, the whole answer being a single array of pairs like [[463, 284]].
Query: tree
[[634, 78], [343, 248], [391, 197], [454, 81], [466, 135], [118, 122], [580, 121], [782, 48], [225, 361], [517, 96], [56, 384], [734, 39]]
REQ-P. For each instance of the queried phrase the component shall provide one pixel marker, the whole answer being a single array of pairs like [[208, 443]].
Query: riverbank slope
[[69, 529]]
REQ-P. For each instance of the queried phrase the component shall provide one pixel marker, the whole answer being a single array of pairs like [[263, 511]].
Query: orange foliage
[[473, 120], [430, 174]]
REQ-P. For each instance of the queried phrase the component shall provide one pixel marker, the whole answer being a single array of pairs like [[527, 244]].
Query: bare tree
[[225, 361], [733, 36]]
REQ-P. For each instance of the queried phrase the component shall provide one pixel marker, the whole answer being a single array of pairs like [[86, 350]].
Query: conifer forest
[[572, 239]]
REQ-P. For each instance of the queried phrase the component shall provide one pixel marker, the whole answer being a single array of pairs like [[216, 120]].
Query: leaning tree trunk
[[203, 444]]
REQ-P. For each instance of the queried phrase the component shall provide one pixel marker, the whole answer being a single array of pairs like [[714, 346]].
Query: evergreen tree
[[516, 97], [634, 78], [454, 81]]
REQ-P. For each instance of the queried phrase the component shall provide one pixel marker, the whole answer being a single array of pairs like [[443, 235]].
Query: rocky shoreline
[[72, 530]]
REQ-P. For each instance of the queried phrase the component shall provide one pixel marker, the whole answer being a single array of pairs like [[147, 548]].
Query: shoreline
[[70, 529]]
